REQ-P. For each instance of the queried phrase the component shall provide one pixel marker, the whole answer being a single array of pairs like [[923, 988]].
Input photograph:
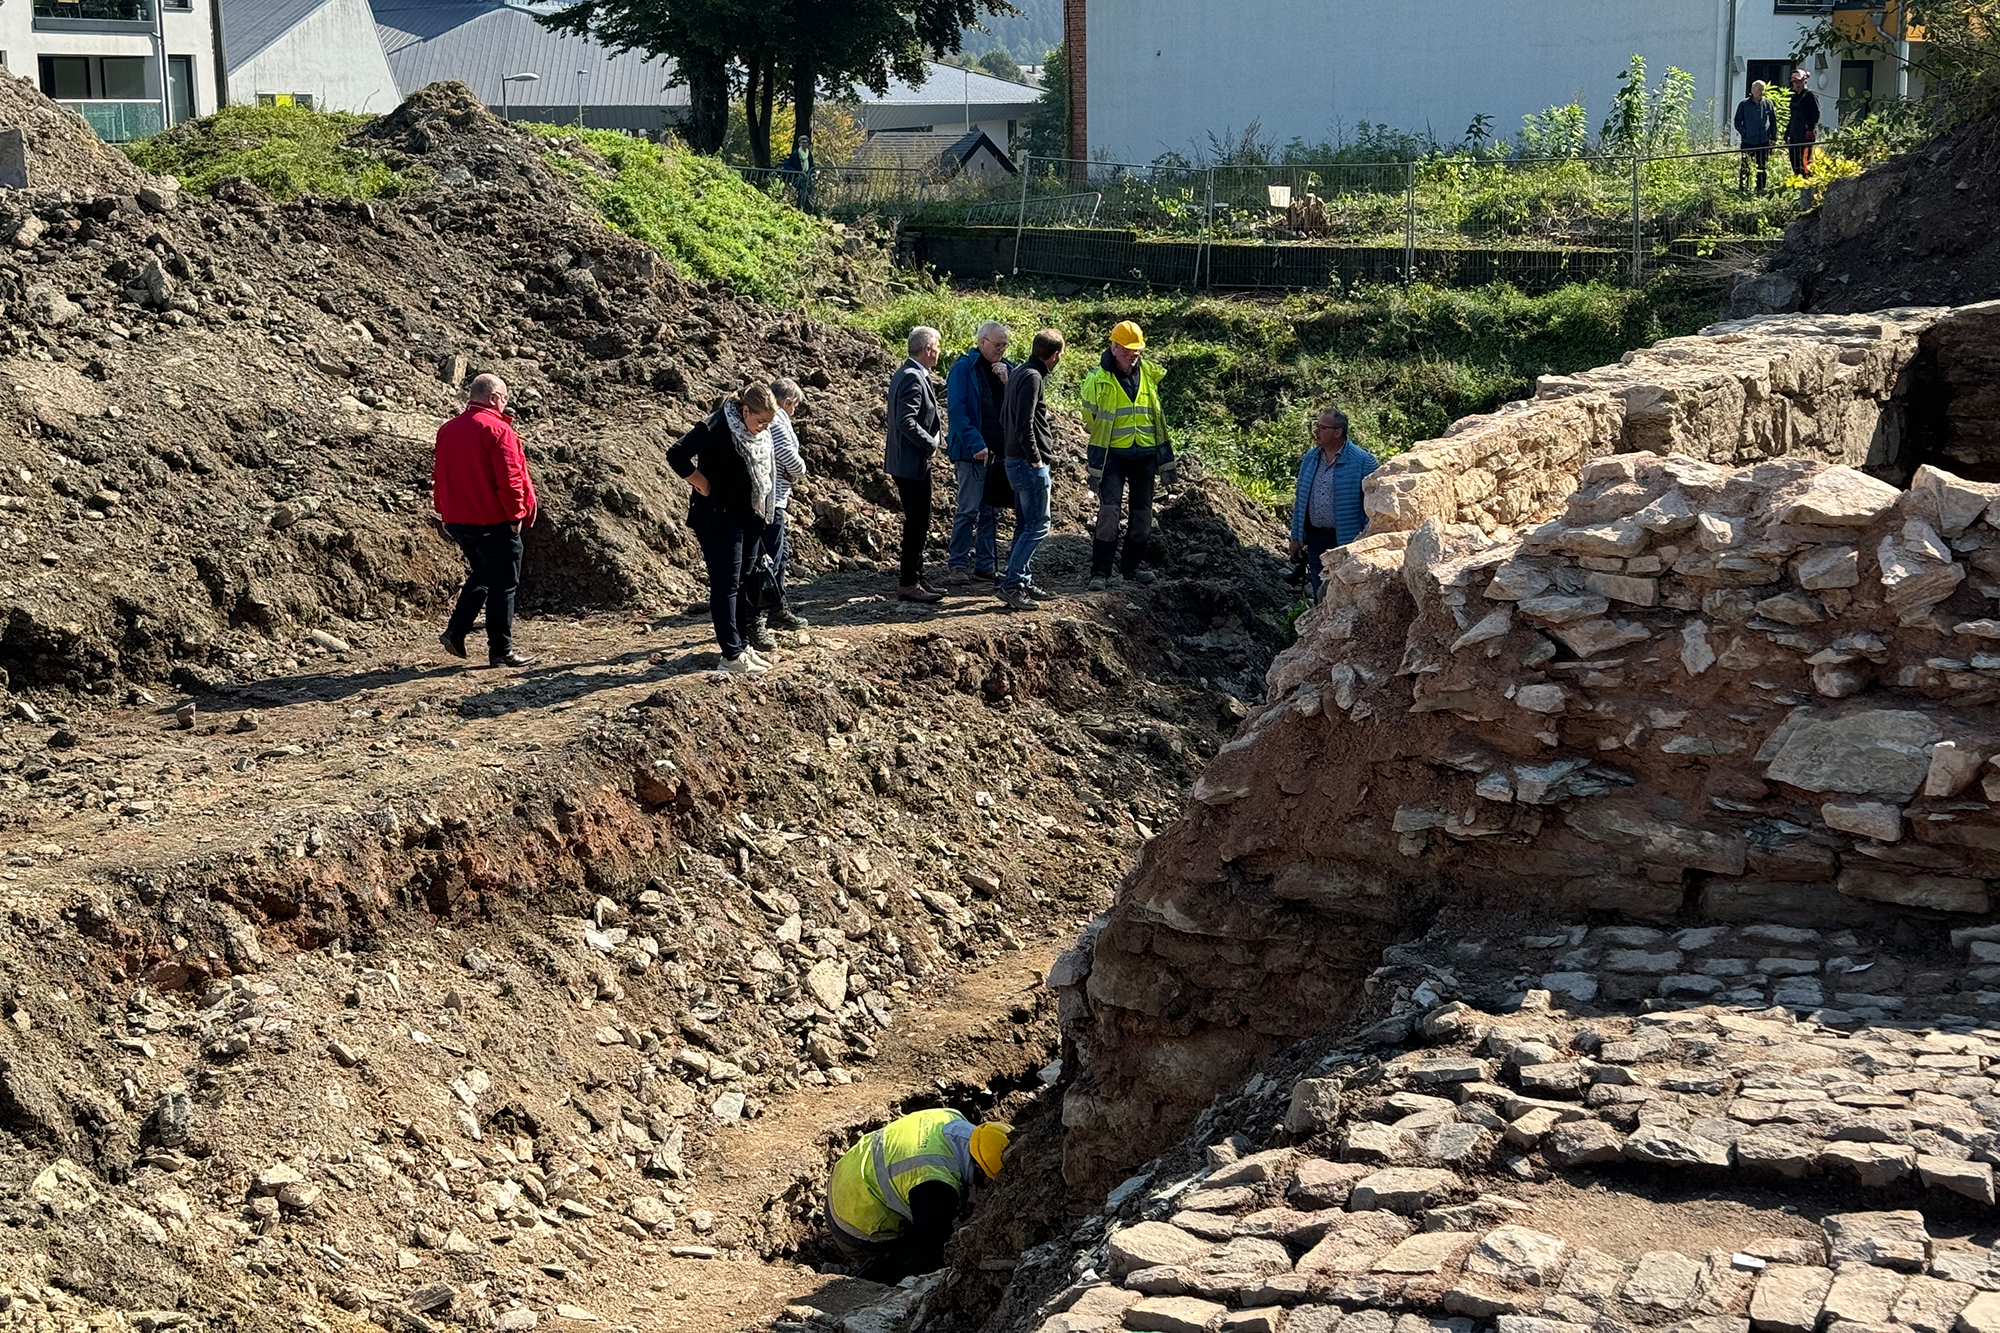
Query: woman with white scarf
[[728, 463]]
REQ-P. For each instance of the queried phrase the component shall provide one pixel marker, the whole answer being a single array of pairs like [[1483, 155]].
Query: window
[[66, 78], [285, 99], [123, 78], [180, 88], [96, 11]]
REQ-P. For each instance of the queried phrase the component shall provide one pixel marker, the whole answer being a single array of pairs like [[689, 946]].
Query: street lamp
[[506, 113]]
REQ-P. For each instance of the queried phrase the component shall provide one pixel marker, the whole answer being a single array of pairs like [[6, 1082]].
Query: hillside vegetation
[[1245, 373]]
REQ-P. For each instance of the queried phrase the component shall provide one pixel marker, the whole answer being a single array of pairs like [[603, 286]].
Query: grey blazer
[[914, 426]]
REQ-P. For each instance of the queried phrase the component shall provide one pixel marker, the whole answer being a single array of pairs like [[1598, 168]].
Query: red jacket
[[479, 474]]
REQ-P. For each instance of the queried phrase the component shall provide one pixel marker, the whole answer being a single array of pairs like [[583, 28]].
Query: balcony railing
[[119, 121], [96, 11], [106, 16]]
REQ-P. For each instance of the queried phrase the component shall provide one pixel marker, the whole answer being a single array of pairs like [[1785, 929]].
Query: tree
[[800, 49], [1953, 46], [1046, 134], [1000, 65]]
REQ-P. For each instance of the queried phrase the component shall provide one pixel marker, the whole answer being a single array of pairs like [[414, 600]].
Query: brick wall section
[[1076, 49]]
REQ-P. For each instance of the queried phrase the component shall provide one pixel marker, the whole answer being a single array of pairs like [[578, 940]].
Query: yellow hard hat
[[989, 1141], [1126, 334]]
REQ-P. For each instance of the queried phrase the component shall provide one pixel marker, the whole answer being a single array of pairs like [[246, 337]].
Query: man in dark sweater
[[1030, 430], [1802, 124]]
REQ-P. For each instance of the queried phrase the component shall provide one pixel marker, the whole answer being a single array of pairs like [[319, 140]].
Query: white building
[[321, 53], [961, 100], [129, 67], [1161, 76]]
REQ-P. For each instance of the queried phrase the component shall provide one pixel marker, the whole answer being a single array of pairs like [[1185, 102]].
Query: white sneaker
[[758, 658], [743, 664]]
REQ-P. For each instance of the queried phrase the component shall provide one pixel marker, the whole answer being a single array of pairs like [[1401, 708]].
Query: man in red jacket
[[480, 484]]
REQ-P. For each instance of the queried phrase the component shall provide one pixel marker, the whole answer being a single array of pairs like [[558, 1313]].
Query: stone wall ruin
[[1691, 692]]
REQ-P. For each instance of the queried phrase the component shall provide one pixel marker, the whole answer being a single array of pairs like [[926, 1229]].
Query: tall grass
[[285, 151]]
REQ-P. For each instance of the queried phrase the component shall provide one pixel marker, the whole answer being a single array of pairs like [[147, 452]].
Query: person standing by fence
[[1802, 123], [1756, 130], [914, 430], [1128, 448], [975, 391], [798, 169]]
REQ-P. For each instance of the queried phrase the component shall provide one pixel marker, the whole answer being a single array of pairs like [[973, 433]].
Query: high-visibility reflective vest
[[869, 1195], [1115, 420]]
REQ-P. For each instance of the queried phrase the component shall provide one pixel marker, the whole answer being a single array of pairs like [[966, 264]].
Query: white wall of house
[[334, 55], [1165, 74], [189, 35]]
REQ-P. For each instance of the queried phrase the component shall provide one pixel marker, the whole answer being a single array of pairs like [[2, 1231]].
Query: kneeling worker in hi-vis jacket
[[896, 1195]]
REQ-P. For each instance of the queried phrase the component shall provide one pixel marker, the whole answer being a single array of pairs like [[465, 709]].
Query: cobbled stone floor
[[1725, 1129]]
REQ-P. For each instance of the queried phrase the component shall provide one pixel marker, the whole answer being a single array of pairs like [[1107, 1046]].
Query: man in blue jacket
[[1326, 505], [975, 391], [1756, 130]]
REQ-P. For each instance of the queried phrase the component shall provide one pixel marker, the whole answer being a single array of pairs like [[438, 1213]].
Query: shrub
[[286, 151]]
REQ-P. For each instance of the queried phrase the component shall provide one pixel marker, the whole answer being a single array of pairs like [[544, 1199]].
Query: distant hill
[[1026, 38]]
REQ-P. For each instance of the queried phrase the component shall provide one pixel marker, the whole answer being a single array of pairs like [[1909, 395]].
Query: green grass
[[698, 213], [1245, 375], [286, 151]]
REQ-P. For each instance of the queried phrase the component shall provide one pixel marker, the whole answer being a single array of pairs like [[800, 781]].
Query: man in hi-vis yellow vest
[[1128, 448], [895, 1196]]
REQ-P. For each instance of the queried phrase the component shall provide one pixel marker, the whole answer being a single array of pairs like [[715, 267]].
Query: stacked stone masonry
[[1687, 693], [1829, 388]]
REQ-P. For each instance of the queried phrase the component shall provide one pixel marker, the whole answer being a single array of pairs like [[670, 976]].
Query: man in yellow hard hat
[[1128, 449], [896, 1195]]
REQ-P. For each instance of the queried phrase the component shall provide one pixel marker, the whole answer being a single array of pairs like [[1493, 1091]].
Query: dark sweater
[[1031, 427], [710, 450], [1802, 126]]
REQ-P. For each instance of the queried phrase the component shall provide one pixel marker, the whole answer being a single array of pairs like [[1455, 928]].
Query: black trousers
[[915, 493], [1760, 156], [1801, 151], [774, 546], [1122, 470], [730, 548], [493, 554]]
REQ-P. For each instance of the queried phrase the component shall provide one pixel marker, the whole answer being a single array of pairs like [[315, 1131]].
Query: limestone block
[[1428, 1252], [1583, 1143], [1828, 567], [1931, 1305], [1937, 893], [1788, 1299], [1864, 819], [1594, 638], [1174, 1314], [1883, 751], [1403, 1189], [1840, 497], [1664, 1280], [1886, 1239], [1972, 1179], [1863, 1294], [1519, 1255], [1323, 1184], [1150, 1245], [1257, 1168], [1953, 767]]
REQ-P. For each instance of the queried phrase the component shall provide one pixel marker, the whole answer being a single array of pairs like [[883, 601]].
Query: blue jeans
[[1318, 542], [1031, 513], [975, 525]]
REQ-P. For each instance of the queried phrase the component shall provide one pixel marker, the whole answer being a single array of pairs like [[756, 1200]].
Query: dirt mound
[[64, 153], [243, 395], [1914, 231]]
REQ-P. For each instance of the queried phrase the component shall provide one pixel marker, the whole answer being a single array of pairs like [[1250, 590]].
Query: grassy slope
[[1244, 374]]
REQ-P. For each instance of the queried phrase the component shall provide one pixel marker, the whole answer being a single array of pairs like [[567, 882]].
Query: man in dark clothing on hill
[[1031, 449], [1802, 123], [1756, 130], [481, 487]]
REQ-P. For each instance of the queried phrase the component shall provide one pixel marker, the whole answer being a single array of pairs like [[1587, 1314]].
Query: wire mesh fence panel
[[1350, 203], [1158, 199], [1061, 210]]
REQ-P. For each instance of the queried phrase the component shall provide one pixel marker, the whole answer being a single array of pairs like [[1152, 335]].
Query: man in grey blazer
[[915, 430]]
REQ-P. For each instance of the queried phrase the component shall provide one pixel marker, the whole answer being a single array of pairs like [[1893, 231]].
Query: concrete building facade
[[324, 53], [129, 67], [1157, 76]]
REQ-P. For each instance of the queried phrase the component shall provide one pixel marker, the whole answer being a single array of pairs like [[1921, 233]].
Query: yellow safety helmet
[[989, 1141], [1126, 334]]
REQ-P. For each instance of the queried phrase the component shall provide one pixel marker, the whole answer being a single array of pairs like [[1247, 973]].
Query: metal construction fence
[[1456, 219]]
